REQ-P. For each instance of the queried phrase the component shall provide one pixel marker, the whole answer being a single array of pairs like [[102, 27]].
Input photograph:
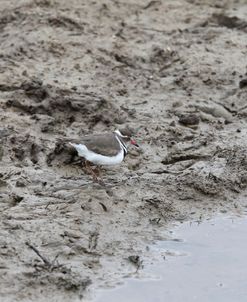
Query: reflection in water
[[212, 266]]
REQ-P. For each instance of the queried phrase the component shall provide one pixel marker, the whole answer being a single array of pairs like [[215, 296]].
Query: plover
[[104, 149]]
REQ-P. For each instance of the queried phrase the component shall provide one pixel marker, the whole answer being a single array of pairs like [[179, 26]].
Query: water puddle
[[203, 262]]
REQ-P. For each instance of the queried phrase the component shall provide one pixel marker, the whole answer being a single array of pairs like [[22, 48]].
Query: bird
[[104, 149]]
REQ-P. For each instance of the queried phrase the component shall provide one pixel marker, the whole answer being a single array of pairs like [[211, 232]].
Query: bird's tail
[[81, 149], [73, 145]]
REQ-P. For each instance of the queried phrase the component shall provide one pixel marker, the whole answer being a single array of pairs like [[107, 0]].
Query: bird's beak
[[133, 142]]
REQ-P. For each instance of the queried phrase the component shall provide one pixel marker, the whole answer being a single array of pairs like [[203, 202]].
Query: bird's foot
[[96, 173]]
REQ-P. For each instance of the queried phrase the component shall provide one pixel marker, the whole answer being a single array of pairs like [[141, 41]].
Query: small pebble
[[189, 120], [243, 83]]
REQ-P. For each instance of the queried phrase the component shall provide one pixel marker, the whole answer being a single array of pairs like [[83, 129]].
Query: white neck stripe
[[122, 144], [120, 134]]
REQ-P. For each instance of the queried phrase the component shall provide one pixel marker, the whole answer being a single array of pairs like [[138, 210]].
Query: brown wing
[[104, 144]]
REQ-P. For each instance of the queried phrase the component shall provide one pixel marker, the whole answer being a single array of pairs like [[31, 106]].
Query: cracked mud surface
[[174, 71]]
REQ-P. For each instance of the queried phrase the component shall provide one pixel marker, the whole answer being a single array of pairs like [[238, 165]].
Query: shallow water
[[203, 262]]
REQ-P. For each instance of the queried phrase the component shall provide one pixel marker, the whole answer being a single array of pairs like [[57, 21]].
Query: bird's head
[[126, 135]]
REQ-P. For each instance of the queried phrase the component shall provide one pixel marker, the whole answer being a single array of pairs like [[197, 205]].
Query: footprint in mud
[[25, 147]]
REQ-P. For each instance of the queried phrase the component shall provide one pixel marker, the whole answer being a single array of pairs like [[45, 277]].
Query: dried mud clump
[[63, 153], [221, 173], [47, 274], [62, 278], [189, 120], [24, 147], [230, 22], [66, 106], [35, 90], [65, 22], [163, 58]]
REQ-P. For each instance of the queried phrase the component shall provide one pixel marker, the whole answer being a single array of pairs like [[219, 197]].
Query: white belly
[[96, 158]]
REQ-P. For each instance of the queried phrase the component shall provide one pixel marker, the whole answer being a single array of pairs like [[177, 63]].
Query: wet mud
[[175, 72]]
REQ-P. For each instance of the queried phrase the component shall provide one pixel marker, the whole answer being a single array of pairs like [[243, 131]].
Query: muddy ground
[[174, 71]]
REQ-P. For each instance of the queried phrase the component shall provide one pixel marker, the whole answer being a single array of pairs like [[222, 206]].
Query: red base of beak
[[133, 142]]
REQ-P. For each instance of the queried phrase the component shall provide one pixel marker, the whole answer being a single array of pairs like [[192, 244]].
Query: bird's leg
[[98, 171], [89, 170]]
